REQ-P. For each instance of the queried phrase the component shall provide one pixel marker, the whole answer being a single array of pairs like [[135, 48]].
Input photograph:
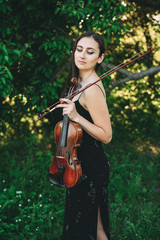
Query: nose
[[82, 55]]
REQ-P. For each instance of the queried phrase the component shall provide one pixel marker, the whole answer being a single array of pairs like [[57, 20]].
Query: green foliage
[[135, 105], [132, 115], [35, 46], [32, 208], [134, 193], [36, 40]]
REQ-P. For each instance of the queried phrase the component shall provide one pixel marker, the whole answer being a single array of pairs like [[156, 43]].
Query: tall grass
[[134, 194], [32, 208]]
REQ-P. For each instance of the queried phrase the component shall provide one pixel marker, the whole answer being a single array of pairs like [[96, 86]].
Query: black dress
[[82, 201]]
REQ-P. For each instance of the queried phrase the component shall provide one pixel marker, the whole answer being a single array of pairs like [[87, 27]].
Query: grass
[[134, 193], [32, 208]]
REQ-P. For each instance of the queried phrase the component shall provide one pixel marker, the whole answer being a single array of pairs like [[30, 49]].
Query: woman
[[86, 211]]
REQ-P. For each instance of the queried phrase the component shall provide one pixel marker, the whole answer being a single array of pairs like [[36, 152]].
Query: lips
[[82, 62]]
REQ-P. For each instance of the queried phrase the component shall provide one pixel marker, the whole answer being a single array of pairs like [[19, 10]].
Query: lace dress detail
[[82, 201]]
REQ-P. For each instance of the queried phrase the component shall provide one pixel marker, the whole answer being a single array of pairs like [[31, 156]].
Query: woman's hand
[[68, 108]]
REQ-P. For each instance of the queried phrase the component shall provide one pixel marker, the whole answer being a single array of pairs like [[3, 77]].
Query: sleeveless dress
[[82, 201]]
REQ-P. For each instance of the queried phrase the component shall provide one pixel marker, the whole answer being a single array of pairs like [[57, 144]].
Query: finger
[[65, 100], [65, 112], [61, 105]]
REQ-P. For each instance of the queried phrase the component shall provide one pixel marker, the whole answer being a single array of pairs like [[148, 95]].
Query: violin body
[[65, 168]]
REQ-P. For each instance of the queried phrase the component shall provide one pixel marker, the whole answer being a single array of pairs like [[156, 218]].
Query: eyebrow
[[87, 48]]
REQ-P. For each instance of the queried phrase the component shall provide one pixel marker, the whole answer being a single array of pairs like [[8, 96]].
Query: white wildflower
[[18, 192]]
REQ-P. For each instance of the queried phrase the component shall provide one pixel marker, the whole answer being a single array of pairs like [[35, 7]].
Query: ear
[[100, 59]]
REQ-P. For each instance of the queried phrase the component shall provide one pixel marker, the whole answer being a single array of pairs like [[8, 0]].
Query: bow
[[114, 69]]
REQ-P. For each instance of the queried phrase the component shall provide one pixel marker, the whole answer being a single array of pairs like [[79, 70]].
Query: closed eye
[[90, 53], [79, 49]]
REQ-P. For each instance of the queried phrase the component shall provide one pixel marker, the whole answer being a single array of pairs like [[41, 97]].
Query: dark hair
[[74, 72]]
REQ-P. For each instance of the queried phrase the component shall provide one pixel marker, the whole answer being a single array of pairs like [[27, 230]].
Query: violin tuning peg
[[74, 80], [79, 86]]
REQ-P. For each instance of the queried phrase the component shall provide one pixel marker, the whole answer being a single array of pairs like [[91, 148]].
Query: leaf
[[30, 55], [9, 74], [3, 94], [6, 58], [5, 49], [17, 52], [3, 80], [57, 10], [40, 153]]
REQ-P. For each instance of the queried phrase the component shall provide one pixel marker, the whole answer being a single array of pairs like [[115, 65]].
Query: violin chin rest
[[55, 180]]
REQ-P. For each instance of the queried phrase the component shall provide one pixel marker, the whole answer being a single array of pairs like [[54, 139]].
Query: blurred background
[[36, 40]]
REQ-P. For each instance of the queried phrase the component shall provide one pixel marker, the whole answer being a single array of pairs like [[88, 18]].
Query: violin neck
[[64, 131]]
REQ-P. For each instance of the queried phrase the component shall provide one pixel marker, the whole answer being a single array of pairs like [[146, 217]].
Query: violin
[[65, 168]]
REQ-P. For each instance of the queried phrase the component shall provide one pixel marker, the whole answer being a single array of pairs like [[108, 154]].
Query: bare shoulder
[[95, 92], [94, 98]]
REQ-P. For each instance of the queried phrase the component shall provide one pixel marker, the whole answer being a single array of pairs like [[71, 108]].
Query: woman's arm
[[93, 100]]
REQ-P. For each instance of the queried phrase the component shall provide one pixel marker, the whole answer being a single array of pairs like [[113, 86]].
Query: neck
[[85, 76]]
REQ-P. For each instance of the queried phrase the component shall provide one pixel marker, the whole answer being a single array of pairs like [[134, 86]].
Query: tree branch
[[111, 66], [131, 76]]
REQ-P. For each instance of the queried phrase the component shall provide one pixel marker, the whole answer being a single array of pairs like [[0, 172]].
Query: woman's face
[[86, 55]]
